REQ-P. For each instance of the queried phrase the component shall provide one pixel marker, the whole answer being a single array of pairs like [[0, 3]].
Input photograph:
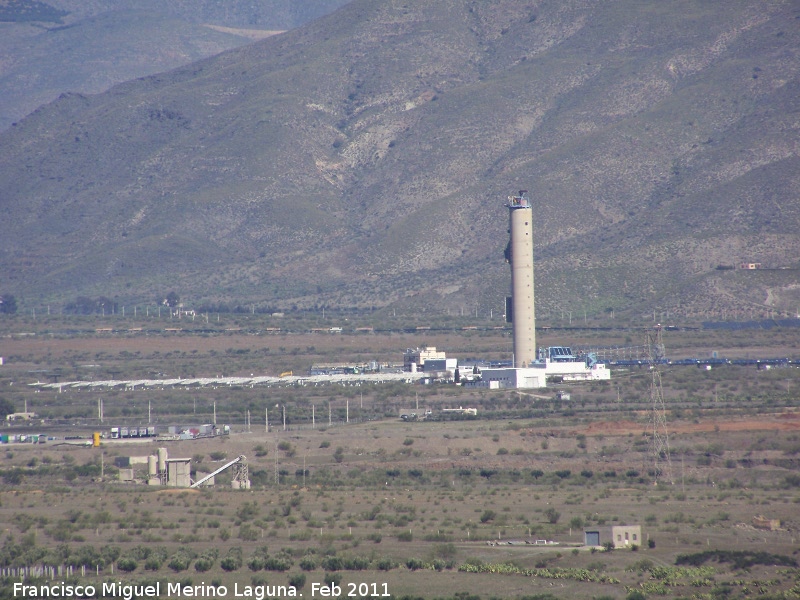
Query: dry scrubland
[[415, 505]]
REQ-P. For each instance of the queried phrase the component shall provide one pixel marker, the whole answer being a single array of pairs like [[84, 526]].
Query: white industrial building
[[515, 378], [440, 365], [576, 371], [414, 359]]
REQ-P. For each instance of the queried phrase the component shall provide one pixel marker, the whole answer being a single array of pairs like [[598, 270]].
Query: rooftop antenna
[[659, 442]]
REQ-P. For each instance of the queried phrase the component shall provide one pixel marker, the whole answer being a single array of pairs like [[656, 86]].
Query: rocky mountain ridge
[[363, 160]]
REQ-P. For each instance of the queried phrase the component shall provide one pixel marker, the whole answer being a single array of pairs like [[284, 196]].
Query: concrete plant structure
[[618, 536]]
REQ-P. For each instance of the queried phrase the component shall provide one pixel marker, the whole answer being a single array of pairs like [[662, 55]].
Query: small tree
[[6, 408], [297, 581], [552, 515], [172, 300], [8, 304], [127, 564]]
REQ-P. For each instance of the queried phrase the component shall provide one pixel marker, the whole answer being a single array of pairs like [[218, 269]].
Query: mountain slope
[[362, 160], [71, 45]]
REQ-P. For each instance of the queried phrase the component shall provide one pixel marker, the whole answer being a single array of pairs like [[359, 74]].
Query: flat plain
[[441, 508]]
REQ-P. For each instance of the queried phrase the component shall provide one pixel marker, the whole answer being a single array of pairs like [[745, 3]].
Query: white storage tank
[[162, 460]]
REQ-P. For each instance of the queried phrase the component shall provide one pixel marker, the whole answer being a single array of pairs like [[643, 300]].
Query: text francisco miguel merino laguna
[[129, 591]]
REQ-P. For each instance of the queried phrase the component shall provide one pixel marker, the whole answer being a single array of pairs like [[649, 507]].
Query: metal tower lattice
[[659, 441], [241, 472]]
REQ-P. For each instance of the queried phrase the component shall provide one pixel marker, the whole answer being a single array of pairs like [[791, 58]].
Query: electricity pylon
[[659, 441]]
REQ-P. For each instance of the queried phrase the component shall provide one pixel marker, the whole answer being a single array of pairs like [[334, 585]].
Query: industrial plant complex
[[528, 368]]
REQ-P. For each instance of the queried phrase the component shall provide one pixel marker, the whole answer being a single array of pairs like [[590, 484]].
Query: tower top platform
[[519, 201]]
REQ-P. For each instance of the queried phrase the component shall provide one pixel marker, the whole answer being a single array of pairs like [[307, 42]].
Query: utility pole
[[276, 462]]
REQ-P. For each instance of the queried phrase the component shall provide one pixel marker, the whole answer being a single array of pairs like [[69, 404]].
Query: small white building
[[519, 378], [621, 536]]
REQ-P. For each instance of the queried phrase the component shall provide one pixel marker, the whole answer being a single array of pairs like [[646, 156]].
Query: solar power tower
[[520, 257]]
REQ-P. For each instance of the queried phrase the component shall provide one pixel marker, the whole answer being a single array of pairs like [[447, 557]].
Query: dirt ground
[[785, 421]]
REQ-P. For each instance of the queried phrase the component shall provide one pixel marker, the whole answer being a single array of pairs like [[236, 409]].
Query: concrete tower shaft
[[522, 297]]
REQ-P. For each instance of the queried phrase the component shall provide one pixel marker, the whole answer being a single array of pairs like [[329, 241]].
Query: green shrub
[[552, 515], [385, 564], [230, 563], [287, 448], [248, 533], [127, 564], [201, 565], [308, 563], [275, 563], [332, 563], [179, 563], [232, 560]]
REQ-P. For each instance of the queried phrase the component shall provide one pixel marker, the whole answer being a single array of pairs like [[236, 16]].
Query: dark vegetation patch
[[739, 559], [30, 10]]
